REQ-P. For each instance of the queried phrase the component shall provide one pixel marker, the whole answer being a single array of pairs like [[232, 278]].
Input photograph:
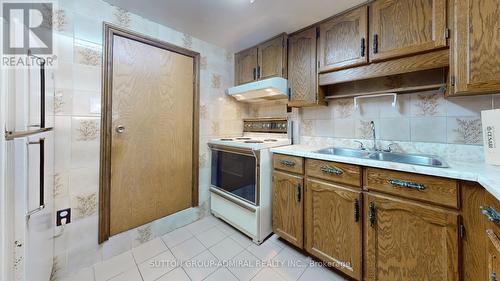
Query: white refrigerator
[[29, 173]]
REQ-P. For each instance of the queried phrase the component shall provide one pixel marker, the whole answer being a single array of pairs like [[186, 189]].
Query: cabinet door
[[272, 58], [288, 207], [302, 70], [245, 66], [477, 46], [333, 225], [404, 27], [493, 255], [343, 40], [409, 241]]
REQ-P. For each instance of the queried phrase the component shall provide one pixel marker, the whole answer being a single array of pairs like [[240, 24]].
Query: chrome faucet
[[372, 125]]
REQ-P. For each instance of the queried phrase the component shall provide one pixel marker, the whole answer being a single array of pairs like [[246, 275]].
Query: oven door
[[235, 172]]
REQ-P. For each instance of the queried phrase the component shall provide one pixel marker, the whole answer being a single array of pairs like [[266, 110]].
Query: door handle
[[371, 213], [120, 129], [363, 47], [298, 192], [41, 204], [42, 90], [375, 43]]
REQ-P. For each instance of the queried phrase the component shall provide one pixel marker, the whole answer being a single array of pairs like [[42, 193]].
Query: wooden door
[[152, 127], [288, 207], [343, 40], [409, 241], [403, 27], [272, 58], [246, 66], [476, 47], [333, 225], [302, 69]]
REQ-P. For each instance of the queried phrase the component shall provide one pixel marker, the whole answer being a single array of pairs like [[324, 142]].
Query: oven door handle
[[234, 150]]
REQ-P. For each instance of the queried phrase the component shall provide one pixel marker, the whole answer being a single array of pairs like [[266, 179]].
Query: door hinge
[[447, 32], [462, 231], [453, 80]]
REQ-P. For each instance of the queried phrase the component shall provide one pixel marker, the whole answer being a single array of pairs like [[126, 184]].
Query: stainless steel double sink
[[414, 159]]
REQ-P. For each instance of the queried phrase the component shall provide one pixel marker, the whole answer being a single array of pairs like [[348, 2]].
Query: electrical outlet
[[63, 217]]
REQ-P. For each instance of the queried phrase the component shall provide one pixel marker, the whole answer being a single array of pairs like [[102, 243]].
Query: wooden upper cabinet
[[343, 40], [288, 207], [476, 46], [272, 58], [404, 27], [302, 68], [245, 66], [333, 225], [409, 241]]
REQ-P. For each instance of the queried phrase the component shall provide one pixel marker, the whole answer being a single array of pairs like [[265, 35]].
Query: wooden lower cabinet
[[493, 255], [409, 241], [333, 225], [288, 207]]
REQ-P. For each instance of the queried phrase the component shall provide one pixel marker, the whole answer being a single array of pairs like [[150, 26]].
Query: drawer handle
[[330, 170], [356, 210], [407, 184], [287, 163], [491, 214]]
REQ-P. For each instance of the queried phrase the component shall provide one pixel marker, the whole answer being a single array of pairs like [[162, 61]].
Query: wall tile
[[85, 142], [468, 106], [429, 103], [342, 108], [496, 101], [363, 128], [63, 102], [323, 128], [428, 129], [86, 103], [464, 130], [62, 143], [87, 78], [343, 128], [86, 28], [395, 129], [402, 109]]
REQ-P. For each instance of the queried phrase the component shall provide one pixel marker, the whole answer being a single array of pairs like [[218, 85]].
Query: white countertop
[[486, 175]]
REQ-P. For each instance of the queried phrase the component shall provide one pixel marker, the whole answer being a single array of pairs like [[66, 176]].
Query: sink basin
[[414, 159]]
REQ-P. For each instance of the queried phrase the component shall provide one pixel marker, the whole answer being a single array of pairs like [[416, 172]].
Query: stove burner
[[226, 139], [270, 140], [254, 141], [243, 138]]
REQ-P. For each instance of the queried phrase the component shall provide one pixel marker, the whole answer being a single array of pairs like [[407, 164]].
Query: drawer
[[288, 163], [436, 190], [335, 172]]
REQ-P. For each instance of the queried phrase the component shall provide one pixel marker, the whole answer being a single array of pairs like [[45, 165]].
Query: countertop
[[486, 175]]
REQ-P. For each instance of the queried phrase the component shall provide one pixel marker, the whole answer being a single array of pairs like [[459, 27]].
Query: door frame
[[109, 31]]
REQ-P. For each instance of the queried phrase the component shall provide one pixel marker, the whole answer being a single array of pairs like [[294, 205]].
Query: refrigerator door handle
[[41, 206], [42, 90]]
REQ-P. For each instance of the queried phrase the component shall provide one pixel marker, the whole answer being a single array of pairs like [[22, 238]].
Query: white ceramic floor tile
[[86, 274], [222, 274], [318, 273], [268, 274], [226, 249], [129, 275], [177, 274], [188, 249], [114, 266], [226, 228], [242, 239], [200, 225], [148, 250], [264, 251], [290, 264], [157, 266], [245, 266], [176, 237], [211, 237], [276, 240], [201, 266]]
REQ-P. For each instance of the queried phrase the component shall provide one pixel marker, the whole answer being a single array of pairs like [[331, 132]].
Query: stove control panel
[[267, 125]]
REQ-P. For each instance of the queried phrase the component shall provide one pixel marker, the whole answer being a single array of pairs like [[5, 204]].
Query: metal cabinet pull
[[120, 129], [375, 43], [493, 276], [254, 73], [41, 206], [298, 192], [42, 89], [491, 214], [363, 47], [258, 72], [371, 214], [331, 170], [407, 184], [356, 210], [287, 163]]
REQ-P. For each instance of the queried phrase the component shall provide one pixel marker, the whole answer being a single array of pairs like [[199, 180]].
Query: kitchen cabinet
[[245, 66], [493, 255], [476, 46], [263, 61], [405, 240], [405, 27], [333, 225], [343, 41], [302, 69], [288, 207]]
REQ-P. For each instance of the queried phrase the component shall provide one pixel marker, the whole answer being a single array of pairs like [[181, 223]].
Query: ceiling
[[235, 24]]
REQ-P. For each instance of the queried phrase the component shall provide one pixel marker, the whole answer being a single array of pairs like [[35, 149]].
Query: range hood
[[263, 90]]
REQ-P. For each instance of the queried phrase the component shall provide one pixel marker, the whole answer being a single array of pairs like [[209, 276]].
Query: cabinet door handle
[[356, 210], [298, 192], [254, 73], [41, 204], [407, 184], [375, 43], [491, 214], [287, 163], [258, 72], [331, 170], [363, 47], [371, 214]]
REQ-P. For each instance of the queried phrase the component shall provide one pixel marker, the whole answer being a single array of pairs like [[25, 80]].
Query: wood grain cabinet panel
[[493, 255], [302, 68], [476, 46], [335, 172], [333, 225], [404, 27], [288, 163], [272, 58], [409, 241], [288, 207], [245, 66], [343, 40]]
